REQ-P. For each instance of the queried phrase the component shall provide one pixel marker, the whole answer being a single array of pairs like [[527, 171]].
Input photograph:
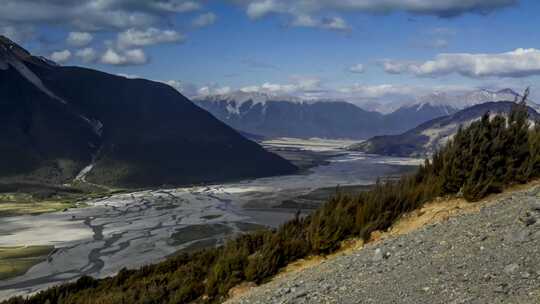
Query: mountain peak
[[7, 45]]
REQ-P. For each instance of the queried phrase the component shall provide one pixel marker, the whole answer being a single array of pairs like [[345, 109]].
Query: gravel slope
[[490, 256]]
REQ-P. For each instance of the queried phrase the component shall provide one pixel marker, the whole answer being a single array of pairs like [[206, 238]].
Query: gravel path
[[490, 256]]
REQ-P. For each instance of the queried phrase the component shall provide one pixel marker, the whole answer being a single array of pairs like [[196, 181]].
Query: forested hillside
[[483, 158]]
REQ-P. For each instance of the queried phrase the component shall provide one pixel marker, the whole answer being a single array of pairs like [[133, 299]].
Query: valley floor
[[487, 252], [134, 229]]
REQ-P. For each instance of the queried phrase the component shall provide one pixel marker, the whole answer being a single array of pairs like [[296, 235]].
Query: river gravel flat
[[134, 229]]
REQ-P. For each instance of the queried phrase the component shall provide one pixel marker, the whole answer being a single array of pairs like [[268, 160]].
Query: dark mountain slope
[[408, 117], [147, 133]]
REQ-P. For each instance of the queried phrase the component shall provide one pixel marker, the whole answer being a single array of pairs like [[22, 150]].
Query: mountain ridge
[[138, 132], [288, 116], [426, 138]]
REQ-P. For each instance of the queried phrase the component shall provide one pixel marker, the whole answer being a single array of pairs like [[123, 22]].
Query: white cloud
[[129, 57], [87, 55], [93, 14], [19, 34], [333, 23], [204, 20], [138, 38], [177, 6], [260, 8], [186, 88], [441, 8], [357, 68], [213, 90], [303, 86], [61, 56], [303, 12], [79, 39], [305, 21], [377, 91], [517, 63]]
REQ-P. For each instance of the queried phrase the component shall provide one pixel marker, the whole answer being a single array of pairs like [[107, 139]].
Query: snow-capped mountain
[[459, 101], [285, 116], [410, 114], [61, 124], [237, 101]]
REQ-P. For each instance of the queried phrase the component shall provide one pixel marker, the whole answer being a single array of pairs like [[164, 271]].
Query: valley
[[134, 229]]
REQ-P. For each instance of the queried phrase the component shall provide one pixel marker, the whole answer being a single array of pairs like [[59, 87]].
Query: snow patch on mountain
[[237, 99], [460, 101]]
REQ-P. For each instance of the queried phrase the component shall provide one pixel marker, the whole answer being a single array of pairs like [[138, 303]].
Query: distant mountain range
[[429, 136], [277, 116], [65, 123], [285, 116]]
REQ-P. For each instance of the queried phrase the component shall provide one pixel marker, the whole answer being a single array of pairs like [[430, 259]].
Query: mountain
[[427, 137], [280, 116], [407, 115], [59, 123], [285, 116]]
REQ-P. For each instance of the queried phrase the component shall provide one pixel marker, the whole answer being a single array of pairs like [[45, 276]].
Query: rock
[[525, 275], [378, 255], [511, 268], [300, 294], [535, 206], [517, 236], [501, 289], [529, 221]]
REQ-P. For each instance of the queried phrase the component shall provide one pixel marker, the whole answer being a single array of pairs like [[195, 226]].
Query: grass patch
[[15, 261], [31, 207]]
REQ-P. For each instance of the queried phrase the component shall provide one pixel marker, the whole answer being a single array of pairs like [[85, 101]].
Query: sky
[[357, 50]]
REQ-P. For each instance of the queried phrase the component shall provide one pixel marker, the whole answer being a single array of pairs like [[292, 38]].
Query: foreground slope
[[490, 256], [122, 132], [432, 135]]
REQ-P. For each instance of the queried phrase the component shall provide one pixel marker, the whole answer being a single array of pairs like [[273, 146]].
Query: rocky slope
[[488, 256], [429, 136], [62, 123]]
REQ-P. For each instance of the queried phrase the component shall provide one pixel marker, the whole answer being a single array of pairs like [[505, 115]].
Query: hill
[[61, 123], [432, 135]]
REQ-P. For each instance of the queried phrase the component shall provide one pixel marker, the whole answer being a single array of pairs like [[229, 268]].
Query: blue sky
[[354, 49]]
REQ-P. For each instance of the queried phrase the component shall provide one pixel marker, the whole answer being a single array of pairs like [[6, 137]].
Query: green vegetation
[[13, 204], [15, 261], [482, 159], [17, 198]]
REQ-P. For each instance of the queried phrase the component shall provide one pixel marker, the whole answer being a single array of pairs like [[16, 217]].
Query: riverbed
[[134, 229]]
